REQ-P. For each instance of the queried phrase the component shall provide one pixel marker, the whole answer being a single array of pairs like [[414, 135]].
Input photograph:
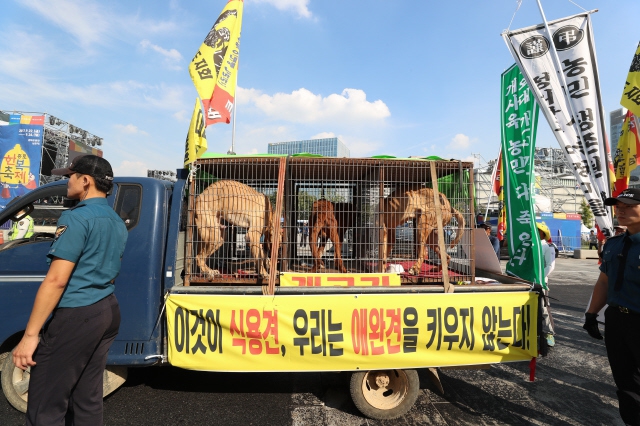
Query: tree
[[587, 215]]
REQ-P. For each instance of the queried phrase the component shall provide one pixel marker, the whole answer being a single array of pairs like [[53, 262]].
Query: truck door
[[143, 208]]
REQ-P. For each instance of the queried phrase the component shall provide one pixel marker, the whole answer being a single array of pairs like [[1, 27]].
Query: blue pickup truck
[[159, 270], [150, 266]]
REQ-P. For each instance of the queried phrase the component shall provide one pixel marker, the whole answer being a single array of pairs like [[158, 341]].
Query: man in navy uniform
[[619, 286], [68, 362]]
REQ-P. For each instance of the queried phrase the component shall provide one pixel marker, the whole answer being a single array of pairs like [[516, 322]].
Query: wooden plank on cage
[[472, 240], [382, 229], [275, 246], [289, 221], [190, 228], [448, 288]]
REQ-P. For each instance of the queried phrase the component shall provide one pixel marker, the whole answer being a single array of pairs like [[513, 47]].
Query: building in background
[[616, 118], [163, 175], [327, 147]]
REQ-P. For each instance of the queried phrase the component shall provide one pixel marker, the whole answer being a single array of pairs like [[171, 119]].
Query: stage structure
[[62, 142], [555, 187]]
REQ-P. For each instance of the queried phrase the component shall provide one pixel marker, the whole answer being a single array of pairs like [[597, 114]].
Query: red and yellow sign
[[340, 280], [350, 332]]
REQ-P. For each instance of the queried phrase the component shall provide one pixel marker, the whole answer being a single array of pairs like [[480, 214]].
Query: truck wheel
[[15, 382], [384, 394], [114, 377], [2, 358]]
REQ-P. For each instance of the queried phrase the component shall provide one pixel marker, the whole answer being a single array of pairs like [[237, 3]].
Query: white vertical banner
[[575, 115]]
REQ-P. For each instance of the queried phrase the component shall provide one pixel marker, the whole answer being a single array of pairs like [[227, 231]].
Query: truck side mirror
[[24, 212]]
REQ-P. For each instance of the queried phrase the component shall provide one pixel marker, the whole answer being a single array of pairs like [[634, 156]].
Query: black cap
[[484, 225], [91, 165], [628, 196]]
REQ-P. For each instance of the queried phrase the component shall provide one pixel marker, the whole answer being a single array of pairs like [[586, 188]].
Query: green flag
[[519, 117]]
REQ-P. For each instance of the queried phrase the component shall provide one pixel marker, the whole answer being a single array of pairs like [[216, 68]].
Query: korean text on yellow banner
[[215, 66], [349, 332], [294, 279], [631, 93], [196, 143]]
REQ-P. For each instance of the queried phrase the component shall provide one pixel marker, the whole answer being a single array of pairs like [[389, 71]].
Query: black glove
[[591, 325]]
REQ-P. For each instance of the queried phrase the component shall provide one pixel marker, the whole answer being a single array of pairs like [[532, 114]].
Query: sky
[[402, 78]]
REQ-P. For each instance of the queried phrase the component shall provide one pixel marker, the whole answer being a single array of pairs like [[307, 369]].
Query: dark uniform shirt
[[629, 295], [92, 236]]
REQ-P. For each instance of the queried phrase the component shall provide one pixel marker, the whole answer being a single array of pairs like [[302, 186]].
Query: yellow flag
[[631, 93], [626, 156], [214, 67], [196, 144]]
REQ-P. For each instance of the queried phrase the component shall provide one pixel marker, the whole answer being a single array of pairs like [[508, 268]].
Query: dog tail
[[460, 219]]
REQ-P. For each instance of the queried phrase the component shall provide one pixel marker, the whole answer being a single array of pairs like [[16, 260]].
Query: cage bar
[[337, 215]]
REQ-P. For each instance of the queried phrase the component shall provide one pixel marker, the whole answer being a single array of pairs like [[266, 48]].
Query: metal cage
[[335, 215]]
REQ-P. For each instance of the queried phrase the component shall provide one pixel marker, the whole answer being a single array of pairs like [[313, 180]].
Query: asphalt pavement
[[573, 386]]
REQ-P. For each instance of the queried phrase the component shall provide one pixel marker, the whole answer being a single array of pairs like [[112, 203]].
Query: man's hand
[[22, 355], [591, 325]]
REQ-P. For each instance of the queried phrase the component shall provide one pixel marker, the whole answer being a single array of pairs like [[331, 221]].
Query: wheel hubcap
[[385, 389], [20, 382]]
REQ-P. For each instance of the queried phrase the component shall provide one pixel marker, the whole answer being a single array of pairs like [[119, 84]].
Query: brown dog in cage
[[329, 220], [237, 204], [416, 203]]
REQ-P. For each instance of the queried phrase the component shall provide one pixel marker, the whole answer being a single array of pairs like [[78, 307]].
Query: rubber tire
[[14, 398], [114, 377], [412, 392]]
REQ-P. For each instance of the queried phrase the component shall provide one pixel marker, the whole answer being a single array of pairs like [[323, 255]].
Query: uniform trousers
[[623, 350], [66, 382]]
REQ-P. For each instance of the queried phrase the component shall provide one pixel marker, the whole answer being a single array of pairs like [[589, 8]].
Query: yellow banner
[[350, 332], [631, 93], [214, 67], [292, 279], [196, 144], [626, 157]]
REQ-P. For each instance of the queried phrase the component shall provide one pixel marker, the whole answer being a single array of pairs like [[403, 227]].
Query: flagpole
[[233, 128], [494, 173], [233, 116], [486, 213]]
